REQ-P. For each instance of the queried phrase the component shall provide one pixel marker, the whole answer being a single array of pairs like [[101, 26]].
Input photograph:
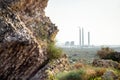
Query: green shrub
[[72, 75], [53, 51], [107, 53], [96, 78], [50, 75], [104, 52], [115, 56]]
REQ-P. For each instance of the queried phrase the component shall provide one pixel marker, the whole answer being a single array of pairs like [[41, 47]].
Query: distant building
[[72, 43], [67, 43]]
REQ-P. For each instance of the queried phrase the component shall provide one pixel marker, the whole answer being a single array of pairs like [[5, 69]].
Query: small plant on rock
[[53, 51]]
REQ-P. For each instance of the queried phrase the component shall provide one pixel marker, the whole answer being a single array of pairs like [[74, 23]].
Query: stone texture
[[106, 63], [52, 68], [110, 75], [24, 33]]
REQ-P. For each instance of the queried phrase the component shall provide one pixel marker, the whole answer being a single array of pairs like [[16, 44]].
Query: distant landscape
[[86, 54]]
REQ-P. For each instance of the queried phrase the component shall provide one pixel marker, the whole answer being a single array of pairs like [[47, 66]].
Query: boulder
[[109, 75], [106, 63]]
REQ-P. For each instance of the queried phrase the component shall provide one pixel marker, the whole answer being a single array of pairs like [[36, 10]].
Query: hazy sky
[[100, 17]]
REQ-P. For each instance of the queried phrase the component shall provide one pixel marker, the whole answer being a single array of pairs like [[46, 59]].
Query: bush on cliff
[[53, 51]]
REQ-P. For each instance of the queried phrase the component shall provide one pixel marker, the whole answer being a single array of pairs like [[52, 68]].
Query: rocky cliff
[[24, 34]]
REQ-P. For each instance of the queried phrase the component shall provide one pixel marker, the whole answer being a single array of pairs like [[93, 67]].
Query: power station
[[82, 39]]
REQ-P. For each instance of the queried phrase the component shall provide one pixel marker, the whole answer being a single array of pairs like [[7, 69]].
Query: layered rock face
[[24, 34], [51, 69]]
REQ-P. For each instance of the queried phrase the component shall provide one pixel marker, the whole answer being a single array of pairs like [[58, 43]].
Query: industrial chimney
[[88, 38], [79, 36], [82, 37]]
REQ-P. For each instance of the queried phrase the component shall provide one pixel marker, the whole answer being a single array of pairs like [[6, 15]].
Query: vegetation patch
[[81, 71], [86, 73], [108, 53], [53, 51], [71, 75], [104, 52]]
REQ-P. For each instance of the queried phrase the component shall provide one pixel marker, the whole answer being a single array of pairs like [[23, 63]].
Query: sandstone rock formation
[[24, 34]]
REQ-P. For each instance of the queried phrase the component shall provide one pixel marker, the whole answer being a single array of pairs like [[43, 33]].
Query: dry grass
[[78, 65], [90, 72], [100, 71]]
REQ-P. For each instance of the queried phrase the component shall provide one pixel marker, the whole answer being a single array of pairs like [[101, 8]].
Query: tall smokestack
[[82, 37], [88, 38], [79, 36]]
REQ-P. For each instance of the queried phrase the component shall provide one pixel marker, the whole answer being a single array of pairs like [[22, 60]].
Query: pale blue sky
[[100, 17]]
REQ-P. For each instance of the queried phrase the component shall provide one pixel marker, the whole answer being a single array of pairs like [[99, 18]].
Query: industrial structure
[[82, 36], [79, 36], [82, 39], [88, 38]]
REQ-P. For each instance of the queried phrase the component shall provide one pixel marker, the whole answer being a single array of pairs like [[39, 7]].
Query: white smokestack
[[88, 38], [79, 36], [82, 36]]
